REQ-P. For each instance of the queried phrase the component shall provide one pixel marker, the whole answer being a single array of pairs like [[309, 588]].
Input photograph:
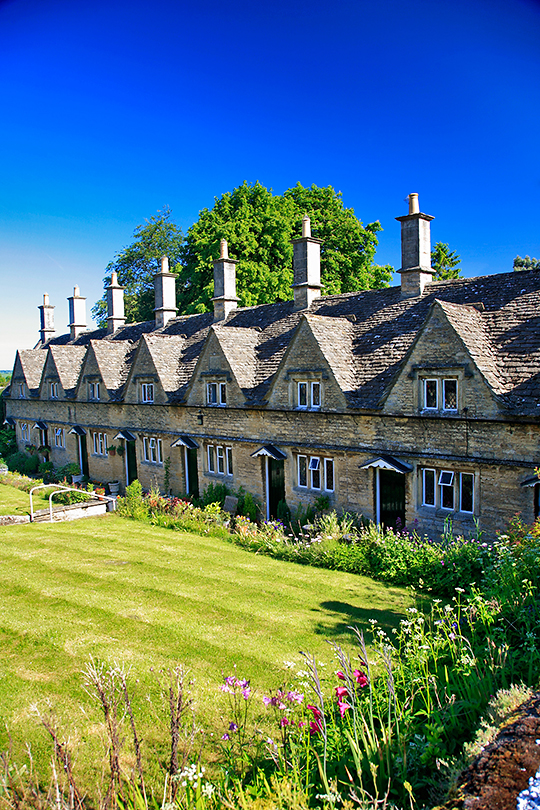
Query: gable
[[213, 366], [28, 368], [306, 362], [451, 345], [143, 372]]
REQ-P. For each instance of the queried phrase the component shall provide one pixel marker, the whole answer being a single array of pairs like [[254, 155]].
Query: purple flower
[[225, 736], [233, 727], [246, 692], [295, 697]]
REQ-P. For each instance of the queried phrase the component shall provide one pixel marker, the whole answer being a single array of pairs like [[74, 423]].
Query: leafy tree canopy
[[527, 263], [137, 265], [258, 226], [445, 262]]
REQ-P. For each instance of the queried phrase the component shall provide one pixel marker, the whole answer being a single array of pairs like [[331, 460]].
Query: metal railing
[[60, 488]]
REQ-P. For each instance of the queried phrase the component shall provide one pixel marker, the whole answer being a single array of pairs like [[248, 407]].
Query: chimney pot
[[115, 305], [77, 313], [415, 268], [224, 299], [46, 317], [306, 267], [165, 294]]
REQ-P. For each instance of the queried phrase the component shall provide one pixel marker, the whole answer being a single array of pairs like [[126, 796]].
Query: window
[[153, 450], [466, 492], [302, 471], [315, 470], [53, 390], [59, 437], [446, 484], [147, 392], [220, 459], [93, 392], [216, 393], [430, 394], [329, 474], [308, 395], [428, 487], [100, 444], [21, 390], [450, 395], [24, 431]]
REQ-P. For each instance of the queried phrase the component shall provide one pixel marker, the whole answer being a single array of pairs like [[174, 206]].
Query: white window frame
[[466, 511], [212, 394], [59, 440], [298, 460], [21, 390], [25, 436], [93, 392], [425, 406], [451, 485], [53, 390], [327, 462], [434, 472], [314, 471], [211, 458], [230, 468], [147, 393], [314, 385], [220, 459], [153, 450], [100, 444], [447, 380], [222, 393], [305, 385]]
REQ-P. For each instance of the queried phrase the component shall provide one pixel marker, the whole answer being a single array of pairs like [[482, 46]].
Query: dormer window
[[25, 436], [94, 392], [308, 395], [216, 393], [53, 390], [440, 395], [21, 390], [147, 392]]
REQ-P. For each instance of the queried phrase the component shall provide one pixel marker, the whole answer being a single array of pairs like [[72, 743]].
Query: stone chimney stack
[[415, 269], [165, 294], [77, 313], [306, 267], [115, 305], [46, 317], [224, 299]]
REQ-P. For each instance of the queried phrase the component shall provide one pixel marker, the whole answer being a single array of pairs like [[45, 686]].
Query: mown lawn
[[16, 502], [150, 598]]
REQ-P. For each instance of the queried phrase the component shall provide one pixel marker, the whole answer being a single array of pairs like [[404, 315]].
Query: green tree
[[137, 265], [527, 263], [258, 227], [445, 262]]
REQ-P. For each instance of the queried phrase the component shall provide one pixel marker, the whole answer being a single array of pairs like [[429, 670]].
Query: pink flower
[[341, 692], [314, 727], [343, 707], [301, 724], [285, 722], [361, 678], [341, 675], [294, 696], [246, 692], [267, 700], [317, 714]]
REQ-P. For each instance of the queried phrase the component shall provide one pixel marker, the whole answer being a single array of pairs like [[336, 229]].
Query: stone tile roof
[[32, 362], [364, 336], [68, 361], [113, 358]]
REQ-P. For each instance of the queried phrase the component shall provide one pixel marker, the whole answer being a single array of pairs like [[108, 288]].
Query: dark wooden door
[[192, 472], [392, 499], [277, 484], [84, 456], [131, 462]]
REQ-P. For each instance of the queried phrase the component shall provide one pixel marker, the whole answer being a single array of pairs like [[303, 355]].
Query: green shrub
[[133, 505], [23, 463], [283, 512]]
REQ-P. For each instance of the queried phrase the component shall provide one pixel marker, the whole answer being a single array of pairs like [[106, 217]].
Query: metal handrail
[[60, 488]]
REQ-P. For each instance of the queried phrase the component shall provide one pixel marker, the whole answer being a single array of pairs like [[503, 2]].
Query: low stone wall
[[73, 511]]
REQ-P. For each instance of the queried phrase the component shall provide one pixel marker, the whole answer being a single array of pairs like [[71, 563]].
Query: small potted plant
[[112, 450], [114, 487]]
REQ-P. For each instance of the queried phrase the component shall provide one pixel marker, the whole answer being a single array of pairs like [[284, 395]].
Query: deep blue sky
[[110, 110]]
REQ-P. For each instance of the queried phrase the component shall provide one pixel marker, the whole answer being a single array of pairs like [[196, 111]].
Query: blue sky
[[110, 110]]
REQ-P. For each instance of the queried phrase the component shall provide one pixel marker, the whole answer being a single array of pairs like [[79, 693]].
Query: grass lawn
[[16, 502], [127, 592]]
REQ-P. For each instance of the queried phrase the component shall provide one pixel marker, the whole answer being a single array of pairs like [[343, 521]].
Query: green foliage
[[138, 263], [214, 493], [8, 441], [258, 227], [445, 262], [527, 263], [23, 462], [167, 476], [5, 379], [283, 512]]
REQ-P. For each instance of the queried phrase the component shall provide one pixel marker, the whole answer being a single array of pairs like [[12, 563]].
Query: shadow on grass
[[342, 615]]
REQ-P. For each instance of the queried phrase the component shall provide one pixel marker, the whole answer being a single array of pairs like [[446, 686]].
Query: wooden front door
[[391, 499], [192, 477], [277, 484], [131, 455]]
